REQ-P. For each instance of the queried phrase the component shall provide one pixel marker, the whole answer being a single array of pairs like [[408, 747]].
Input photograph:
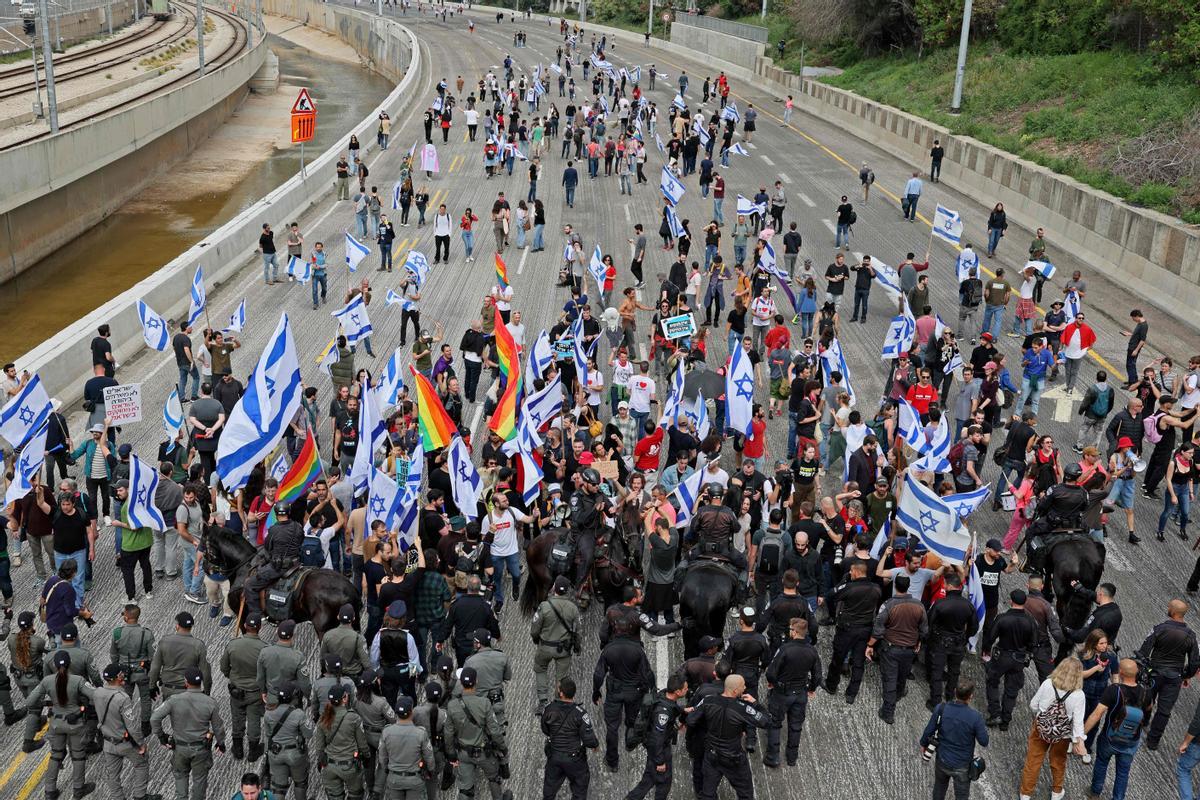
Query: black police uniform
[[778, 616], [1107, 618], [660, 739], [713, 528], [952, 622], [625, 672], [1060, 509], [856, 601], [637, 620], [468, 613], [696, 736], [1049, 629], [282, 549], [568, 731], [585, 523], [1010, 641], [749, 654], [792, 674], [726, 721], [1171, 652]]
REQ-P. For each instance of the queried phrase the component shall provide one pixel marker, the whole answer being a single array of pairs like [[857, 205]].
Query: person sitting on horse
[[1059, 511], [590, 510], [713, 528], [280, 553], [473, 556]]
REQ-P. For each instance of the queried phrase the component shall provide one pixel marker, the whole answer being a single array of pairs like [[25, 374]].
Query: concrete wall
[[64, 361], [89, 171], [732, 49]]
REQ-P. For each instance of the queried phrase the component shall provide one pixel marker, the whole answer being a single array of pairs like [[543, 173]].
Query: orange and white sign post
[[304, 122]]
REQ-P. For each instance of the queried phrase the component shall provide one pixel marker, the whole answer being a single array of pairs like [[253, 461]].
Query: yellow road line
[[35, 779], [321, 355], [20, 759]]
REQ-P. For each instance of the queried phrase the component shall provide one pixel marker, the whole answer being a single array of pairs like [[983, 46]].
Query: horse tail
[[529, 595]]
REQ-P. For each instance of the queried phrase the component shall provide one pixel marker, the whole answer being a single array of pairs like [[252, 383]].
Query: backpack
[[311, 552], [957, 465], [1102, 404], [1150, 431], [853, 217], [1129, 729], [770, 554], [870, 177], [635, 734], [1054, 724]]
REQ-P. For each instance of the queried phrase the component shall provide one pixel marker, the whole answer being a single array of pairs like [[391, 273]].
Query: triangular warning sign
[[304, 103]]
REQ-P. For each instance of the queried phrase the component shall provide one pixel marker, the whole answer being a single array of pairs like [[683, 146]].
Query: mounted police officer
[[278, 556], [196, 728], [287, 735], [589, 510], [568, 730], [280, 664], [176, 653], [475, 741], [1060, 510], [555, 633], [727, 718], [405, 756], [624, 672], [794, 675], [239, 663], [347, 644], [661, 736], [26, 651], [952, 622], [66, 693], [114, 708], [133, 648]]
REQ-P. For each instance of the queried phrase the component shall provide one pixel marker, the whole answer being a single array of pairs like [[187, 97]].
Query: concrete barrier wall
[[91, 170], [732, 49], [64, 360]]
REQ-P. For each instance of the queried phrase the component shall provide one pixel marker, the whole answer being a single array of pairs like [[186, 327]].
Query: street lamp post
[[961, 69]]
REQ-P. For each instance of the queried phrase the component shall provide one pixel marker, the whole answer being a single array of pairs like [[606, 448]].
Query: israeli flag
[[354, 320], [679, 102], [662, 148], [396, 187], [935, 451], [737, 149], [372, 433], [410, 502], [172, 418], [261, 416], [299, 269], [418, 265], [25, 414], [888, 280], [672, 188], [390, 382], [1072, 306], [881, 539], [947, 225], [703, 134], [975, 595], [330, 358], [939, 327], [465, 483], [28, 466], [730, 113], [199, 300], [604, 104], [925, 514], [908, 423], [739, 392], [577, 350], [279, 468], [237, 320], [899, 337], [541, 356], [768, 262], [636, 74], [154, 327], [966, 261], [356, 251], [674, 224], [698, 414], [967, 503], [687, 494], [437, 103], [394, 298], [556, 68], [674, 405], [540, 407], [597, 268], [1043, 268], [568, 251], [140, 509], [521, 447], [746, 207], [834, 360], [384, 498], [954, 363]]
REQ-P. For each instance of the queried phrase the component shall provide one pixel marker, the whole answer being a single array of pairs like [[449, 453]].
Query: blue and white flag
[[739, 392], [967, 503], [947, 225], [900, 334], [579, 352], [834, 360], [636, 74], [935, 450], [437, 103], [662, 148], [730, 112], [154, 327], [199, 299], [597, 268], [372, 434], [356, 251], [881, 539], [954, 363], [908, 423], [28, 466], [25, 413], [262, 415], [394, 298], [540, 407], [541, 356], [1072, 306], [674, 224], [384, 499], [418, 265], [746, 207], [975, 595], [331, 357], [738, 150], [521, 447], [672, 188], [299, 268], [279, 468], [679, 102], [927, 516], [465, 483], [237, 320], [698, 414], [396, 187], [1043, 268], [408, 522], [674, 405], [354, 320], [390, 381], [703, 134], [939, 327], [888, 279], [140, 510], [172, 418], [687, 494], [966, 261]]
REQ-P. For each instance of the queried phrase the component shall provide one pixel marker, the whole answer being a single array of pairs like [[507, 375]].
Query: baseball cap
[[994, 544], [458, 522], [404, 706], [124, 450], [709, 642], [346, 613], [1018, 597], [112, 672], [253, 620], [987, 337], [333, 663], [62, 659], [483, 636], [397, 609], [69, 632], [622, 404], [193, 676], [184, 620], [467, 677], [286, 629]]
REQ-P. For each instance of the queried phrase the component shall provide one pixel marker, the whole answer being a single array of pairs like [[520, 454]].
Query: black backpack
[[635, 734], [770, 554]]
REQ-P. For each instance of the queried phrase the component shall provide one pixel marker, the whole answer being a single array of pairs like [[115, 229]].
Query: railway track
[[24, 84], [226, 54]]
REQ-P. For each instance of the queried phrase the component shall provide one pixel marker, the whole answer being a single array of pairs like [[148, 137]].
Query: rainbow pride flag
[[436, 426], [501, 272], [504, 419], [300, 475]]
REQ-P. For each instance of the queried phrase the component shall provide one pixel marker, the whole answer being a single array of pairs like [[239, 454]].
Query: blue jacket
[[962, 726], [88, 450]]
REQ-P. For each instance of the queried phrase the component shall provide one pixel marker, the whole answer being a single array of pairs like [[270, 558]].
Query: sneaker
[[213, 611], [107, 520], [225, 622], [1087, 758], [16, 560], [148, 595], [191, 598], [1077, 449]]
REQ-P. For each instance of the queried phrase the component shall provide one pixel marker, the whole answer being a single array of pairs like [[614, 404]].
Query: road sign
[[304, 125], [304, 103]]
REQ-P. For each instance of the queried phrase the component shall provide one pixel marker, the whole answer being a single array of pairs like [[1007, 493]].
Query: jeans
[[192, 584], [718, 212], [943, 775], [511, 565], [735, 339], [1022, 326], [1131, 370], [184, 372], [710, 250], [806, 323], [993, 320], [318, 278], [935, 170], [468, 238], [570, 195], [360, 222], [1015, 470], [787, 115], [520, 237], [994, 235], [626, 183], [841, 235], [1124, 756], [532, 195], [1183, 503], [860, 297], [80, 559], [270, 268], [1031, 390], [912, 206], [739, 254], [641, 417], [1184, 767], [385, 256]]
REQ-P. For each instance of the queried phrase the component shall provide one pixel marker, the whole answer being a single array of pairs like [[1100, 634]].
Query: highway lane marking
[[806, 200], [521, 263], [478, 416], [641, 351], [752, 145], [662, 666], [35, 779], [20, 758], [783, 176], [628, 218], [768, 161], [829, 224]]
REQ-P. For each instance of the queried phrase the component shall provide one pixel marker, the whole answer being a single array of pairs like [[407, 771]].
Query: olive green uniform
[[28, 679], [376, 715], [122, 746], [175, 653], [279, 664], [404, 748], [66, 727], [475, 739], [239, 663], [338, 749], [287, 749], [348, 645], [320, 693], [133, 648], [432, 718], [554, 628], [83, 664], [493, 669], [196, 726]]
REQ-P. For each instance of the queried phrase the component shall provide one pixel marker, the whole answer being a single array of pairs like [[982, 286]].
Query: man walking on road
[[912, 193], [570, 180]]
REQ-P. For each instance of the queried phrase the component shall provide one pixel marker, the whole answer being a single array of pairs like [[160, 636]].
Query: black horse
[[1076, 558], [612, 568], [705, 597], [321, 593]]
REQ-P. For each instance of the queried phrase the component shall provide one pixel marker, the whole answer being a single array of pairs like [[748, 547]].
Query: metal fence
[[752, 32], [9, 10]]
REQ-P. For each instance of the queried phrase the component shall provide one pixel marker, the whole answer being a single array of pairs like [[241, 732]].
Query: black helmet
[[283, 509], [715, 491], [1072, 473], [591, 476]]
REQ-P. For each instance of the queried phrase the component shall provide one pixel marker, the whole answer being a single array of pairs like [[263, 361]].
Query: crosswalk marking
[[805, 199], [768, 161]]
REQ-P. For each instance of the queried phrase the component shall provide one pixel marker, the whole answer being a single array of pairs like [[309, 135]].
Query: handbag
[[976, 768]]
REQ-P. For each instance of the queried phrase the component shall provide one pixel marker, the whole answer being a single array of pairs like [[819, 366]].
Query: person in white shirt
[[595, 387], [517, 331], [641, 395], [471, 117], [501, 524], [503, 295], [622, 372], [1065, 686], [763, 311], [714, 474], [441, 235]]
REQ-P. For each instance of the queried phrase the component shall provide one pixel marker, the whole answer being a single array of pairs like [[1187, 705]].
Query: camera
[[930, 750]]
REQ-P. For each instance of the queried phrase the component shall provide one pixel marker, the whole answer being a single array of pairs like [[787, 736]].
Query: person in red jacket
[[648, 450], [922, 395]]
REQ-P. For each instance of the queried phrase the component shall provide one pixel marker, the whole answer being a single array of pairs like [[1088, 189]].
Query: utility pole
[[200, 33], [650, 19], [763, 15], [48, 58], [37, 83], [960, 71]]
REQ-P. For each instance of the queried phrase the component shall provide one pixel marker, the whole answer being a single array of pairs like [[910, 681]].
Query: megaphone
[[1139, 464]]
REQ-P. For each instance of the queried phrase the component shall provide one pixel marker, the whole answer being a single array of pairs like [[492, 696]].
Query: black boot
[[256, 751], [15, 716], [145, 729], [238, 749], [32, 744], [87, 789]]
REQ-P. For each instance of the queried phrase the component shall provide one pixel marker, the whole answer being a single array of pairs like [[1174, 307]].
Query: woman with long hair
[[1099, 667], [26, 652], [337, 741], [66, 695], [1058, 717]]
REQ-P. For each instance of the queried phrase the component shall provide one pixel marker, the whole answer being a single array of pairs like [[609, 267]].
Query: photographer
[[951, 733]]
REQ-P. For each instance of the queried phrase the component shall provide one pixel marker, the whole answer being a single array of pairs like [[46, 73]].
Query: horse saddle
[[719, 560], [277, 599]]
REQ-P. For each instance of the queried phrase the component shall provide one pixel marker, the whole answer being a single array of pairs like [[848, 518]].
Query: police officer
[[793, 677], [856, 601], [331, 675], [177, 652], [196, 728], [376, 713], [475, 740], [405, 755], [280, 664], [114, 708], [83, 664], [468, 613], [589, 510], [555, 633], [1048, 627], [696, 736], [784, 607], [727, 718], [239, 663], [66, 693], [1106, 615], [748, 650], [1171, 652], [661, 736], [287, 734], [624, 672], [133, 648], [26, 652], [492, 670], [279, 554], [347, 643], [952, 622], [1010, 641], [629, 609], [11, 714], [339, 743], [568, 730], [1060, 509], [396, 651], [702, 668], [901, 624], [714, 526], [431, 716]]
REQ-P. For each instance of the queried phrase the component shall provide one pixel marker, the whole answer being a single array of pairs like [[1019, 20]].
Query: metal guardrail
[[740, 29]]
